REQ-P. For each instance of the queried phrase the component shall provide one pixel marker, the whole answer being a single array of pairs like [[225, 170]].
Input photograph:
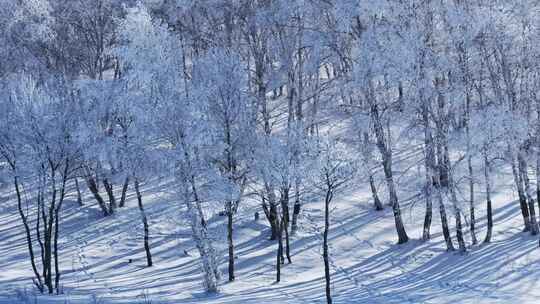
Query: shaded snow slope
[[367, 266]]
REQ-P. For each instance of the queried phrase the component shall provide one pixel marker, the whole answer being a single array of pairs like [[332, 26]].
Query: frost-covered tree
[[38, 143], [373, 72], [170, 113], [333, 170], [220, 84]]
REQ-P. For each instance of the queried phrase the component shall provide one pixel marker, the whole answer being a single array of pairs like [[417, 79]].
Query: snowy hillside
[[269, 151], [367, 266]]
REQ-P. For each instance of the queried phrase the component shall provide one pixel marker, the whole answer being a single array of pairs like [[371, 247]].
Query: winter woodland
[[269, 151]]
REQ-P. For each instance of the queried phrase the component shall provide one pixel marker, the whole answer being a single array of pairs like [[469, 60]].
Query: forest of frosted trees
[[277, 102]]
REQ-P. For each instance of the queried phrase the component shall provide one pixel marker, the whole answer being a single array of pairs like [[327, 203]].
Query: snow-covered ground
[[367, 266]]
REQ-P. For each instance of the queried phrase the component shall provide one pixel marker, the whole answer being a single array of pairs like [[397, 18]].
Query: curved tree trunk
[[145, 224], [400, 228], [37, 281], [386, 153], [93, 187]]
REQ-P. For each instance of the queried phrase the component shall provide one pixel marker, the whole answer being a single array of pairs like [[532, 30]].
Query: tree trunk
[[488, 200], [79, 195], [444, 179], [205, 248], [93, 186], [525, 177], [261, 93], [270, 210], [426, 233], [386, 153], [199, 228], [376, 201], [271, 215], [45, 232], [273, 219], [457, 214], [400, 228], [521, 195], [279, 255], [296, 210], [325, 244], [537, 101], [538, 177], [230, 240], [49, 233], [110, 193], [37, 281], [145, 224], [472, 225], [287, 245], [40, 214], [459, 229], [124, 192], [57, 227], [56, 265], [430, 166], [444, 219], [285, 221]]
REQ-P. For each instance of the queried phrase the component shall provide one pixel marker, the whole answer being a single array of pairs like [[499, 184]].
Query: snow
[[189, 107], [366, 264]]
